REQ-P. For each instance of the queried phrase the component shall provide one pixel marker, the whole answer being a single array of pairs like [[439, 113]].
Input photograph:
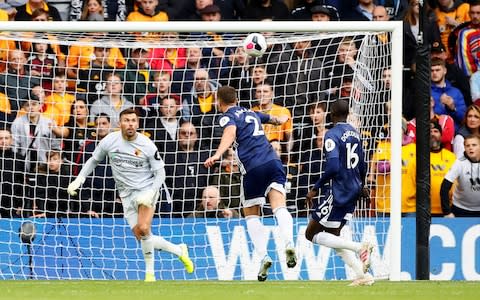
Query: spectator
[[323, 13], [41, 15], [448, 99], [379, 176], [34, 135], [186, 174], [239, 75], [466, 173], [396, 9], [212, 207], [79, 130], [49, 188], [24, 12], [149, 10], [362, 12], [113, 10], [380, 13], [409, 173], [271, 9], [441, 160], [450, 14], [81, 54], [91, 81], [112, 103], [411, 23], [283, 133], [304, 84], [164, 127], [454, 74], [303, 11], [16, 82], [470, 125], [11, 177], [195, 14], [59, 103], [169, 58], [228, 178], [162, 88], [345, 64], [199, 107], [462, 41], [98, 196], [137, 75], [42, 64], [93, 10], [183, 77], [446, 123]]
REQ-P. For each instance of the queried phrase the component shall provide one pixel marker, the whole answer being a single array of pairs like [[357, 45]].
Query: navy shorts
[[330, 215], [260, 180]]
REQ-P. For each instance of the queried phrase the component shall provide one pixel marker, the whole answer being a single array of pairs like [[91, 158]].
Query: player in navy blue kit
[[341, 185], [262, 173]]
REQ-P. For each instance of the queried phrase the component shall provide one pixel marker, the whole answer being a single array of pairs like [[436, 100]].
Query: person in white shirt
[[466, 172]]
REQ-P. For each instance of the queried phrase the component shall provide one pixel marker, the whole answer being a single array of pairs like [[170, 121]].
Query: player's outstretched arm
[[86, 170], [228, 137], [278, 120]]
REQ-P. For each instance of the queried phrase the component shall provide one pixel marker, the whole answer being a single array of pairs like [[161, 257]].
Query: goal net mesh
[[60, 93]]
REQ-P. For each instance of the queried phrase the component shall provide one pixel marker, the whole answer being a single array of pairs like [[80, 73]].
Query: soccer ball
[[255, 44]]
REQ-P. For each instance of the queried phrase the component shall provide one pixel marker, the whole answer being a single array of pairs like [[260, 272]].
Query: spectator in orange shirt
[[24, 12], [264, 95], [59, 104], [450, 14], [148, 11], [80, 56]]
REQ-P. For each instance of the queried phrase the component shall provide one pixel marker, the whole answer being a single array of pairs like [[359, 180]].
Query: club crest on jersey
[[329, 145], [224, 120]]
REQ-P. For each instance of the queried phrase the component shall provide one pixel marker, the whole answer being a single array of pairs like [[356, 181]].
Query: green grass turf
[[233, 290]]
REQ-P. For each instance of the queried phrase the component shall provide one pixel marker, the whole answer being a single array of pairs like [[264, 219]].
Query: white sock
[[336, 242], [159, 243], [147, 250], [285, 223], [256, 231], [351, 260]]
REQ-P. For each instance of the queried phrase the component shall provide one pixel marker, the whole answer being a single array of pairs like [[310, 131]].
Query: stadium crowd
[[57, 100]]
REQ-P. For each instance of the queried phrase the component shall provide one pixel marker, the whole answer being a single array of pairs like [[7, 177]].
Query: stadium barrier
[[220, 248]]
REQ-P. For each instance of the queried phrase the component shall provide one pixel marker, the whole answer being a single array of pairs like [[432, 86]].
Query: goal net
[[61, 93]]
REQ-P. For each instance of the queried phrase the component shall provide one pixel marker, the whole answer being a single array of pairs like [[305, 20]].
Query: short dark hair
[[339, 109], [227, 94], [128, 111], [102, 115], [319, 104]]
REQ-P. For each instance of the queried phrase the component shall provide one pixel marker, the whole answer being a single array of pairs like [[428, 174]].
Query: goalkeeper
[[139, 173]]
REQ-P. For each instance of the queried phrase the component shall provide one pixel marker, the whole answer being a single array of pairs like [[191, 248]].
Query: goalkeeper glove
[[75, 185], [146, 198]]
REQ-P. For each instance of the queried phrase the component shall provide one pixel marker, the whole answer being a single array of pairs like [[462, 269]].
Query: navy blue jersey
[[344, 167], [251, 145]]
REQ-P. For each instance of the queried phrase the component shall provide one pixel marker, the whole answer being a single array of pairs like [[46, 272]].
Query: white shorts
[[130, 206]]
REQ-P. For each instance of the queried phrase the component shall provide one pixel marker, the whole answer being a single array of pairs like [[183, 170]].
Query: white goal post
[[288, 30]]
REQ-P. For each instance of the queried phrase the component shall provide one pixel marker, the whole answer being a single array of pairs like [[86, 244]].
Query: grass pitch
[[233, 290]]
